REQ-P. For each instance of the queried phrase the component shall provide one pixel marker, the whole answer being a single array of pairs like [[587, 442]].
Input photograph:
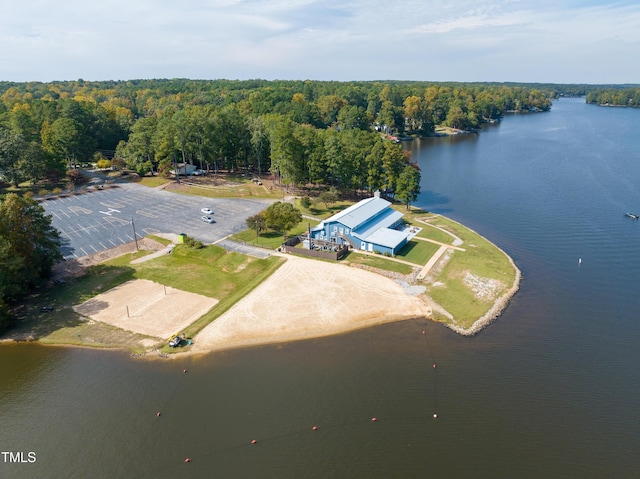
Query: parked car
[[207, 211], [175, 341], [208, 219]]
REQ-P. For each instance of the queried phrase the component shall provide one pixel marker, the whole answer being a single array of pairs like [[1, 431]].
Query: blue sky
[[576, 41]]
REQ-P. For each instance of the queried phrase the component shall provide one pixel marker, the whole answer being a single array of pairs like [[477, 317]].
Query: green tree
[[61, 139], [259, 140], [29, 247], [257, 222], [305, 202], [353, 117], [408, 185], [139, 146], [328, 197], [11, 152], [282, 217]]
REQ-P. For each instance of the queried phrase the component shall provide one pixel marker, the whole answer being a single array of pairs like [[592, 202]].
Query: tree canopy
[[281, 217], [29, 247], [303, 131]]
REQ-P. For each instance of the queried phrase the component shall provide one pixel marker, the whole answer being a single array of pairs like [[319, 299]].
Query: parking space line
[[79, 209], [112, 204], [145, 213]]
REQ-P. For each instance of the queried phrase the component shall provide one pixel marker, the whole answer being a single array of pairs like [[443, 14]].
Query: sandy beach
[[306, 298]]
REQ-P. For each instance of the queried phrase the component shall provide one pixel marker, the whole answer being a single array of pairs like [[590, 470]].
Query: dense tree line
[[29, 247], [324, 133], [615, 97]]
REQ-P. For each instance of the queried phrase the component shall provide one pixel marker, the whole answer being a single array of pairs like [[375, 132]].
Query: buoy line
[[313, 427], [434, 366]]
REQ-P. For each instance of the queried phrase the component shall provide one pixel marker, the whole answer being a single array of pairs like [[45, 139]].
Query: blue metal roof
[[385, 220], [360, 213], [387, 237]]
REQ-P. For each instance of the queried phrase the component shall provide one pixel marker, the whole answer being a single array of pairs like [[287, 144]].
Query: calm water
[[549, 390]]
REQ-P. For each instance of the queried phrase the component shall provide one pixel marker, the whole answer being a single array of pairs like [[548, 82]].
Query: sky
[[573, 41]]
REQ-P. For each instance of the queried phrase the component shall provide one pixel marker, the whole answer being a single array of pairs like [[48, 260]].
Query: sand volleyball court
[[146, 307]]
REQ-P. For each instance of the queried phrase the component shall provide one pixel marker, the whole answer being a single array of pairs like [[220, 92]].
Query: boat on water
[[632, 215]]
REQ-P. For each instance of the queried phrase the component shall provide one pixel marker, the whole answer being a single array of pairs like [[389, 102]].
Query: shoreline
[[350, 299], [334, 298], [499, 305]]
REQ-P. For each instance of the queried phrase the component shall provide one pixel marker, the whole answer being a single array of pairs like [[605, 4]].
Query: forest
[[333, 134], [629, 96]]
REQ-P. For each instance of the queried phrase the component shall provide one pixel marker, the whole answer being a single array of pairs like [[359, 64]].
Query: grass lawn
[[272, 239], [153, 181], [417, 252], [480, 258], [227, 186], [322, 211], [377, 261]]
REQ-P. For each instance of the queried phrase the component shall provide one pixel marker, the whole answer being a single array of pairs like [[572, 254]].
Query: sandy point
[[306, 298]]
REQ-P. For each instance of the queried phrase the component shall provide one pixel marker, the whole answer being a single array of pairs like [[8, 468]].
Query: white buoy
[[579, 260]]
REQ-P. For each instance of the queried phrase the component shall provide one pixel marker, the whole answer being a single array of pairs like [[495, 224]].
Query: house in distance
[[369, 225]]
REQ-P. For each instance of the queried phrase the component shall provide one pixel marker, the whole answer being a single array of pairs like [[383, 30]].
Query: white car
[[207, 211], [208, 219]]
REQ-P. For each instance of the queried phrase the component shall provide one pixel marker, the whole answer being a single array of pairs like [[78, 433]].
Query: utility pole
[[135, 238]]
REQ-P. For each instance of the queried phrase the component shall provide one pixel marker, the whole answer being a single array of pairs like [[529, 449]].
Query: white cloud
[[465, 40]]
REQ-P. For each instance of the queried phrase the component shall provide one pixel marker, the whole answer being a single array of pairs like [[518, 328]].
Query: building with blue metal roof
[[369, 225]]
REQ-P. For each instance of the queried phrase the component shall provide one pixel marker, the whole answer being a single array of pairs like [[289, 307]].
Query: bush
[[103, 164], [193, 243], [305, 202]]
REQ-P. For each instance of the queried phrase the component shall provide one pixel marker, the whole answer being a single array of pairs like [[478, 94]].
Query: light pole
[[135, 238]]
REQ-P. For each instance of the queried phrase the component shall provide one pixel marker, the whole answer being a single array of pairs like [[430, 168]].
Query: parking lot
[[105, 218]]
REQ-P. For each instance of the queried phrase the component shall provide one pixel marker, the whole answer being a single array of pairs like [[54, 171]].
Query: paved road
[[102, 219]]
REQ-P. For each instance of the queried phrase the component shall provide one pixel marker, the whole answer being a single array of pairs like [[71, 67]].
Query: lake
[[551, 389]]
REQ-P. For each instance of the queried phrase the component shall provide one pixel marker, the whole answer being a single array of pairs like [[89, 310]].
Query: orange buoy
[[254, 441], [315, 428], [374, 419], [187, 460]]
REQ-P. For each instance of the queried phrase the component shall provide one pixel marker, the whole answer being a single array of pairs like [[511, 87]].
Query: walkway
[[436, 256]]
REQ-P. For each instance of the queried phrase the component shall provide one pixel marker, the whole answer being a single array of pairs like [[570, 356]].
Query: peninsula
[[122, 298]]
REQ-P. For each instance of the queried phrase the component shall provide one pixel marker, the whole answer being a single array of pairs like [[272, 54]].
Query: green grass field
[[480, 258]]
